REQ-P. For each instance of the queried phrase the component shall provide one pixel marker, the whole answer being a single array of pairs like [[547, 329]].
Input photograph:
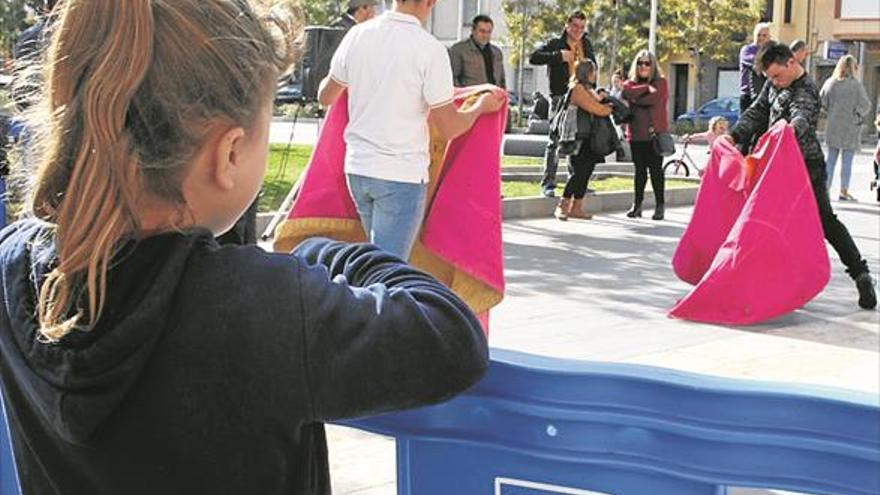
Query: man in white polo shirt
[[396, 74]]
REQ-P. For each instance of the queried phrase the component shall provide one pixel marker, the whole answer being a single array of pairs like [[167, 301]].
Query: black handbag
[[662, 142]]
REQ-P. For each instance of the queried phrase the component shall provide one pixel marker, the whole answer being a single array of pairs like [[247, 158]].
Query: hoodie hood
[[75, 384]]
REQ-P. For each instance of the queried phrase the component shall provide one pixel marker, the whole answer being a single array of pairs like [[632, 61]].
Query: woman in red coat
[[647, 93]]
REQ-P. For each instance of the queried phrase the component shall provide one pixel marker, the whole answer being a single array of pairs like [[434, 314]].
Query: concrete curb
[[562, 176], [301, 120], [536, 207], [602, 202]]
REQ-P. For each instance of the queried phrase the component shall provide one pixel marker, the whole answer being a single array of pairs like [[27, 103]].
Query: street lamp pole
[[652, 38]]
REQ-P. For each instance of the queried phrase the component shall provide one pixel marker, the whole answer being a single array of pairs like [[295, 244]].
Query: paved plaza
[[600, 289]]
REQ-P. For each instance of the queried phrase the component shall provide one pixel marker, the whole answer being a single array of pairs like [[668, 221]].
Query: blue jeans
[[391, 212], [846, 161]]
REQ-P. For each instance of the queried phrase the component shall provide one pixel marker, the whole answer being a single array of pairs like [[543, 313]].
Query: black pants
[[580, 168], [551, 157], [835, 231], [645, 159]]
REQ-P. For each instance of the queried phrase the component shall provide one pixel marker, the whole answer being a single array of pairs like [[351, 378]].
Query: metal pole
[[522, 56], [652, 38], [614, 40]]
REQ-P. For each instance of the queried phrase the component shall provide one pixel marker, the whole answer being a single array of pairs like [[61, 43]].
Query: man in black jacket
[[561, 56], [358, 11], [792, 96]]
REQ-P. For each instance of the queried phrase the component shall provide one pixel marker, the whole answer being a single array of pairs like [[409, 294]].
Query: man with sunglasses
[[561, 56], [791, 95]]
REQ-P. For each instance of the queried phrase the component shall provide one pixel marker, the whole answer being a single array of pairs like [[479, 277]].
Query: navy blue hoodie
[[212, 369]]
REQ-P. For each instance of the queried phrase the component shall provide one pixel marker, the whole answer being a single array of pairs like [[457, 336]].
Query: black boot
[[635, 211], [659, 211], [867, 296]]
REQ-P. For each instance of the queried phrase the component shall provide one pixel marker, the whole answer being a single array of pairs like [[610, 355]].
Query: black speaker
[[320, 45]]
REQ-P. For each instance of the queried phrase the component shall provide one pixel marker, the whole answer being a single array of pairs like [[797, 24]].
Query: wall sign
[[509, 486]]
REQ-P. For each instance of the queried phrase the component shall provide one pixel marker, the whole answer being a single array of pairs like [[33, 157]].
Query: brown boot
[[562, 207], [576, 210]]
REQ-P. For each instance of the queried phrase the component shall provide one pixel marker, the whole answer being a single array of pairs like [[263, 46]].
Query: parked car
[[289, 92], [727, 107]]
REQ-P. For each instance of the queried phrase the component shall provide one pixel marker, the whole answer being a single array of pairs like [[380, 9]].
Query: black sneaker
[[549, 193], [867, 296]]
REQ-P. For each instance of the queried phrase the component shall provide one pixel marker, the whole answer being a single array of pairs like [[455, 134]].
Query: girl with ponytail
[[129, 363]]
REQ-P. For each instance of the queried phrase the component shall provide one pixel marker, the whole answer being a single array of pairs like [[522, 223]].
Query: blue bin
[[541, 426]]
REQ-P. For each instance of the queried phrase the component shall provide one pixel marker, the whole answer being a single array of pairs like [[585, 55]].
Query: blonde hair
[[132, 88], [656, 73], [846, 67], [718, 119], [758, 28]]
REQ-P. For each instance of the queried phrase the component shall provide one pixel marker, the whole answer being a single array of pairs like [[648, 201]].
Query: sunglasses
[[641, 63]]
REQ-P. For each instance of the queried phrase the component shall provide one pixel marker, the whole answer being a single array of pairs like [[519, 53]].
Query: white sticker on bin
[[510, 486]]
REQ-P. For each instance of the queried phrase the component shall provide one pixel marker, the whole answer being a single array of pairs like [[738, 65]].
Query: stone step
[[562, 176], [600, 202], [615, 167]]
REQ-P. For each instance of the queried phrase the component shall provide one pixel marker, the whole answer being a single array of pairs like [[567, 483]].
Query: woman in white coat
[[847, 104]]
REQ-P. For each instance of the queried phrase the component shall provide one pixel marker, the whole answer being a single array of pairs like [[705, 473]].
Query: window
[[857, 9], [767, 14], [787, 15]]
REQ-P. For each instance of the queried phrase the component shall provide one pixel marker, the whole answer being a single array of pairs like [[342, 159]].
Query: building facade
[[833, 28]]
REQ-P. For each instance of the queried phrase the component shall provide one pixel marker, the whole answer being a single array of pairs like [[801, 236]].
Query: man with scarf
[[561, 56]]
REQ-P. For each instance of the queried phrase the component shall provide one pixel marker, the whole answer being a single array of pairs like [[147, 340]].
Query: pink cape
[[754, 247], [460, 242]]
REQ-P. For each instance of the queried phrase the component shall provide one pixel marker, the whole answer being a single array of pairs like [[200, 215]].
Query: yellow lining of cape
[[479, 296]]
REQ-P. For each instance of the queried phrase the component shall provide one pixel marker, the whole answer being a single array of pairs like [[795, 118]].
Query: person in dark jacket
[[647, 92], [358, 11], [792, 96], [561, 56], [752, 80], [137, 356]]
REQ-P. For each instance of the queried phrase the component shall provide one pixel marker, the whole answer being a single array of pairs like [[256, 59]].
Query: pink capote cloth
[[460, 241], [754, 247]]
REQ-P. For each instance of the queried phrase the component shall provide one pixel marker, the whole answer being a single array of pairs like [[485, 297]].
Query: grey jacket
[[847, 104], [468, 68]]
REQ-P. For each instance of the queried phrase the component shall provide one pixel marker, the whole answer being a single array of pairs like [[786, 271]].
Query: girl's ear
[[227, 153]]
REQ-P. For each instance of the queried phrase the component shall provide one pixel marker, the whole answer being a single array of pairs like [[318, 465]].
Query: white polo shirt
[[395, 72]]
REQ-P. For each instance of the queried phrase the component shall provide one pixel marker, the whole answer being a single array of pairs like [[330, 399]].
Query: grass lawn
[[280, 177], [521, 161], [525, 189], [282, 173]]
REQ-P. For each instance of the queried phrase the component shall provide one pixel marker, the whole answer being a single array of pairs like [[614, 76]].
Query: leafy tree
[[322, 12], [707, 29], [619, 29], [710, 29], [13, 20]]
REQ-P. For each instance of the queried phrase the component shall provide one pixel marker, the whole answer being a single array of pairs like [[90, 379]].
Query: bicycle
[[681, 165]]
